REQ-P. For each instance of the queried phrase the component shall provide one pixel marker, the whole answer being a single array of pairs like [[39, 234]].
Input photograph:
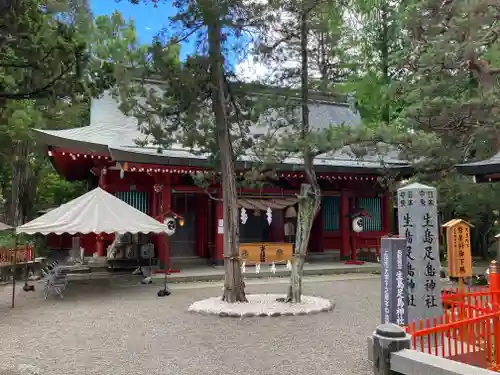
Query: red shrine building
[[105, 154]]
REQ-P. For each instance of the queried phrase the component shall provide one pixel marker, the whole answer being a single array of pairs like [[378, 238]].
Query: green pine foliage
[[49, 71], [442, 70]]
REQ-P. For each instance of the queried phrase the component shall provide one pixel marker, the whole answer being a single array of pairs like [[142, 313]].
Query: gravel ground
[[103, 329]]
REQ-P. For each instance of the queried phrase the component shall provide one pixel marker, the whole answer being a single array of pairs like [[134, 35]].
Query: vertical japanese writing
[[394, 307], [409, 228], [402, 199], [400, 289], [459, 254], [386, 280], [461, 250], [467, 236], [418, 224], [466, 253], [430, 273]]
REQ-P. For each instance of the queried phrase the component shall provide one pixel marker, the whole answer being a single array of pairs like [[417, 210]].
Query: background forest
[[411, 66]]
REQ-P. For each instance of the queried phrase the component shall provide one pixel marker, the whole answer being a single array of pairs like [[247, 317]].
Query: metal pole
[[167, 263], [14, 269], [165, 292], [26, 267]]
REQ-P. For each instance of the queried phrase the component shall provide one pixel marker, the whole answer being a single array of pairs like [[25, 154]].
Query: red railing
[[18, 255], [469, 330], [478, 300], [466, 333]]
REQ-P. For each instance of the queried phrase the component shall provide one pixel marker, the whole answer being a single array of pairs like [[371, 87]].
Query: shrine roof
[[481, 167], [340, 161], [112, 132]]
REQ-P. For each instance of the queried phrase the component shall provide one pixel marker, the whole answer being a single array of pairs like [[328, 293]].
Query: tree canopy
[[49, 71], [441, 79], [423, 74]]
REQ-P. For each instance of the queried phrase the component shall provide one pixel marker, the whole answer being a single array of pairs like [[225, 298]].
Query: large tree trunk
[[384, 51], [310, 194], [234, 286], [21, 178], [307, 206]]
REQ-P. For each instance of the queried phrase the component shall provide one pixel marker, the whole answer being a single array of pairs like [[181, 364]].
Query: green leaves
[[53, 190], [42, 56], [48, 72], [447, 88]]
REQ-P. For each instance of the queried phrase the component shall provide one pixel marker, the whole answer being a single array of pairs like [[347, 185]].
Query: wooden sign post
[[459, 251]]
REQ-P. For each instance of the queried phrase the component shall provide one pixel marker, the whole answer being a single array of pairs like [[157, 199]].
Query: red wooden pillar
[[317, 232], [201, 225], [153, 212], [100, 246], [277, 227], [165, 206], [211, 230], [219, 231], [386, 212], [103, 178], [345, 231]]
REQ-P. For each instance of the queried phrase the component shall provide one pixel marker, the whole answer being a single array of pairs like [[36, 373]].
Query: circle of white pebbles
[[261, 305]]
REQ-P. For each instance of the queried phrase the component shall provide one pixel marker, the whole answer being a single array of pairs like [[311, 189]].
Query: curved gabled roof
[[114, 133], [482, 167], [341, 161]]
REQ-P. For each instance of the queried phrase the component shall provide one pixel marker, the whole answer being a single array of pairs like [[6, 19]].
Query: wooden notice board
[[266, 252], [458, 246]]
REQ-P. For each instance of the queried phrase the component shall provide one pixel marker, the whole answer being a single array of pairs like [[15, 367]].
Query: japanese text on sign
[[458, 246], [400, 289], [430, 269], [409, 232], [394, 307], [419, 226], [387, 312]]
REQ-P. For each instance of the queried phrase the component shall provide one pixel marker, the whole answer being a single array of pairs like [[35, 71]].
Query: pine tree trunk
[[234, 286], [310, 194], [21, 171], [384, 52], [307, 205]]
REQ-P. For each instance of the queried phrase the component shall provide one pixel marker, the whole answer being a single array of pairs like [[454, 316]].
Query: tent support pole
[[14, 269], [27, 287]]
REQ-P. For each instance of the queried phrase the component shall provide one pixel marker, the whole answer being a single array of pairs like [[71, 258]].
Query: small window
[[331, 214], [373, 207], [136, 199]]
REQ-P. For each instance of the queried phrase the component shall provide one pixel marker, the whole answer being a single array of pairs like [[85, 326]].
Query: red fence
[[18, 255], [469, 330]]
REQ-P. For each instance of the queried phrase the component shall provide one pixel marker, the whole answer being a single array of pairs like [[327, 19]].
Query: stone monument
[[394, 275], [418, 223]]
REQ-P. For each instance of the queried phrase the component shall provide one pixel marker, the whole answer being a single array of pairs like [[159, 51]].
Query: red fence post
[[494, 280], [495, 290]]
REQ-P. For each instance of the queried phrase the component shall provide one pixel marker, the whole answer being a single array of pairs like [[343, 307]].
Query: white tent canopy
[[4, 226], [94, 212]]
